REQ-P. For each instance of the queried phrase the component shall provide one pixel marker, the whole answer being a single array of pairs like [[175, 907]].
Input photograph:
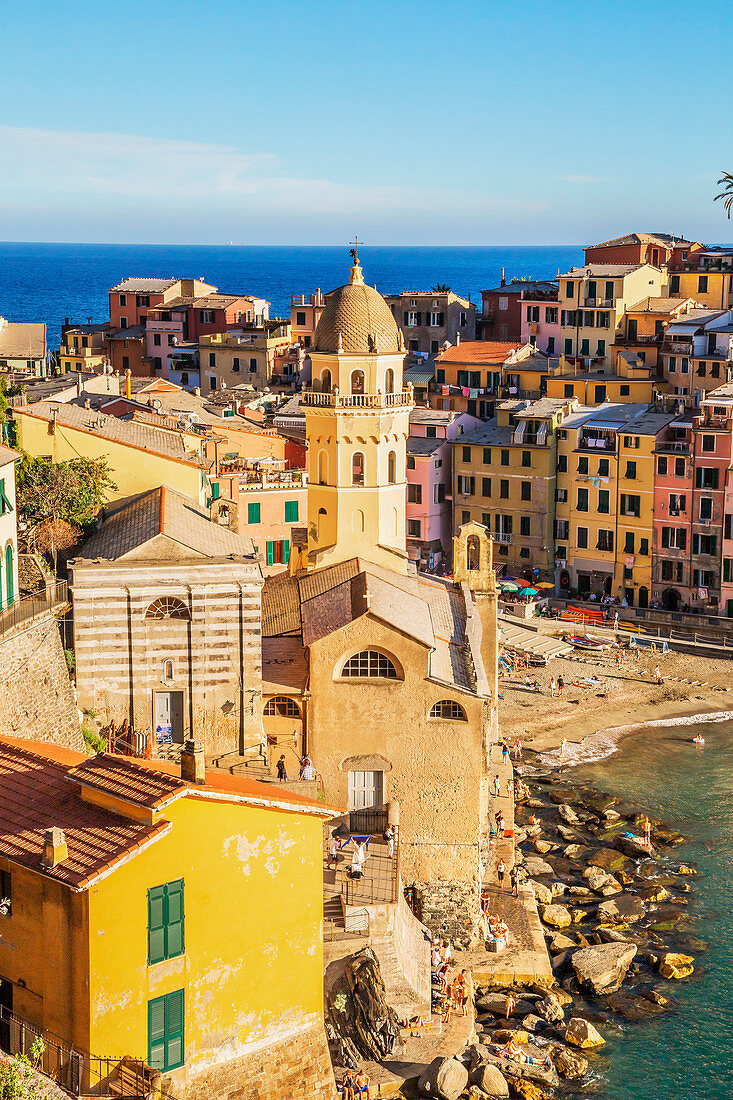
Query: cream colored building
[[8, 528], [386, 677], [593, 301], [244, 356]]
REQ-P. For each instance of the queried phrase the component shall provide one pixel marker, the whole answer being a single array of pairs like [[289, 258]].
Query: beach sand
[[629, 696]]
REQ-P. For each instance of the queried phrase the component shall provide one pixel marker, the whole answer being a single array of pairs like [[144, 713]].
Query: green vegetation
[[58, 501], [726, 181], [16, 1074], [93, 741], [70, 658], [440, 288]]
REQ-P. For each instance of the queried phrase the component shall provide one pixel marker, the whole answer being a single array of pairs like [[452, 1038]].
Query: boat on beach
[[587, 641]]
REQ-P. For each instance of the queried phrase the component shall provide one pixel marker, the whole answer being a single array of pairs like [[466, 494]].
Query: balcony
[[363, 401], [501, 538], [682, 346], [599, 303], [261, 479], [640, 341]]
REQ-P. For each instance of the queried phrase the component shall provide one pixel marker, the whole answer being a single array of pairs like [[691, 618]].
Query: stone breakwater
[[617, 922]]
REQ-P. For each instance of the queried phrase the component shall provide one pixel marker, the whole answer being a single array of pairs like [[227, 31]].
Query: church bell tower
[[357, 417]]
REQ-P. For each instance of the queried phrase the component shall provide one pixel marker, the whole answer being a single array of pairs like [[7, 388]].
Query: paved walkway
[[525, 958]]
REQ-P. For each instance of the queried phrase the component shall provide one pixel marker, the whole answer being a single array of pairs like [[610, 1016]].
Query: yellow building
[[8, 528], [140, 457], [85, 348], [644, 324], [505, 478], [166, 914], [630, 380], [593, 300], [707, 277], [357, 424], [240, 356]]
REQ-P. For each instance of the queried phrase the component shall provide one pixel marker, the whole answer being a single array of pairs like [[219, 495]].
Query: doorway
[[366, 790], [670, 599], [6, 1008], [643, 596], [168, 717]]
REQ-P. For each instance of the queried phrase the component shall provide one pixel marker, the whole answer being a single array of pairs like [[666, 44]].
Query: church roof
[[357, 321], [429, 609]]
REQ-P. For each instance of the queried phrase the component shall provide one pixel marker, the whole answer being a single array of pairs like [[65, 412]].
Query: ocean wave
[[597, 746]]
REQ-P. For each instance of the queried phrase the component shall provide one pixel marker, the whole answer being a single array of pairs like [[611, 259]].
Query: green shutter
[[270, 552], [5, 505], [156, 924], [253, 512], [174, 930], [174, 1029], [156, 1033], [291, 511], [286, 551], [215, 490]]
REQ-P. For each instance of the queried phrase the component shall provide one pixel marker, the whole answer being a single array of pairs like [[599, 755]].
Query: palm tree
[[443, 288], [727, 193]]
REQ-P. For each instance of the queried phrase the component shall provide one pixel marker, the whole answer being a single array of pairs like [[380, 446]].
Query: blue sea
[[49, 282]]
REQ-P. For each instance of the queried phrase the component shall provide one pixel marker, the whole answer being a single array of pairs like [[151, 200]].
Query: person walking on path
[[517, 749], [504, 752], [553, 688], [497, 786], [333, 847], [647, 827], [658, 676], [514, 879], [563, 746], [388, 836], [500, 872], [282, 772], [615, 621], [560, 685], [509, 1005]]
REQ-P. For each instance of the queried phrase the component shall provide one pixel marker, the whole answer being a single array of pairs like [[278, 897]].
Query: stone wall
[[449, 910], [299, 1068], [36, 696]]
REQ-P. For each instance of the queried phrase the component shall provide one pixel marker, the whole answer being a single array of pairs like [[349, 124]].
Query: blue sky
[[299, 121]]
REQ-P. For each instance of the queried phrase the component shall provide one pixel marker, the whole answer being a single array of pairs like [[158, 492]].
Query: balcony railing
[[334, 400], [27, 607], [677, 345], [599, 303], [503, 539], [285, 479]]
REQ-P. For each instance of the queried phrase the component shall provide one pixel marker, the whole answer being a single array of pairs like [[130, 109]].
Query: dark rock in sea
[[602, 969], [610, 860], [569, 1063], [632, 1007], [596, 801], [634, 847], [581, 1033], [622, 909]]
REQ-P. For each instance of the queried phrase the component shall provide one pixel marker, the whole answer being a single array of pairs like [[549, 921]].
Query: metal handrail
[[27, 607]]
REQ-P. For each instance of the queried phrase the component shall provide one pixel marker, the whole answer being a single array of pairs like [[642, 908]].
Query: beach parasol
[[527, 591], [512, 579], [545, 584], [509, 586]]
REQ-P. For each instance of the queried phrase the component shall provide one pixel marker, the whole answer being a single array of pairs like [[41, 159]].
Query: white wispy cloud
[[579, 179]]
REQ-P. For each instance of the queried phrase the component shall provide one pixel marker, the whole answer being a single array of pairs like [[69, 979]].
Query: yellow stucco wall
[[252, 968], [133, 470]]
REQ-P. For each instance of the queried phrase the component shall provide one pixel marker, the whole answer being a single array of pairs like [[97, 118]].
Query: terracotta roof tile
[[478, 351], [123, 778]]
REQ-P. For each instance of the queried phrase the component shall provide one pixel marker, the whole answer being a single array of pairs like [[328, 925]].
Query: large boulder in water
[[568, 1063], [608, 859], [634, 847], [556, 916], [490, 1081], [445, 1078], [602, 968], [620, 910], [674, 965], [581, 1033]]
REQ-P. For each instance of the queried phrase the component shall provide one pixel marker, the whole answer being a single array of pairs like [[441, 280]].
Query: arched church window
[[392, 468], [389, 380], [322, 468], [357, 381], [448, 708], [357, 468], [370, 664], [326, 382], [168, 672], [320, 520], [167, 607], [282, 707]]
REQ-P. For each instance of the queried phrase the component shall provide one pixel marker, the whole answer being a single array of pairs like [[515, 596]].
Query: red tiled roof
[[129, 780], [36, 796], [478, 351]]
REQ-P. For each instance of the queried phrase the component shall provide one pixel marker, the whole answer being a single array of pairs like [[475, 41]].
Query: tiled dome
[[357, 321]]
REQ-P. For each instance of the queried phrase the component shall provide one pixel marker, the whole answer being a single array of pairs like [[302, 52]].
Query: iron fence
[[371, 821], [46, 599]]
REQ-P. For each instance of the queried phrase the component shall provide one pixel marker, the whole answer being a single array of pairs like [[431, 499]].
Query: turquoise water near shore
[[689, 1053]]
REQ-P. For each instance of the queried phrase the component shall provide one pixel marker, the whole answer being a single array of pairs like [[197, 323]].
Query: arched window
[[282, 707], [447, 708], [320, 520], [391, 467], [473, 552], [389, 380], [168, 671], [9, 578], [167, 607], [372, 664], [322, 468], [326, 382], [357, 521], [357, 381], [357, 468]]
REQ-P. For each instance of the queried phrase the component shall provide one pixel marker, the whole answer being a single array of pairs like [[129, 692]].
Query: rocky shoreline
[[618, 930]]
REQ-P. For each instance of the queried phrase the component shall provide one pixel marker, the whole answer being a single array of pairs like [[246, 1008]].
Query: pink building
[[672, 531], [270, 501], [540, 324], [131, 299], [429, 456]]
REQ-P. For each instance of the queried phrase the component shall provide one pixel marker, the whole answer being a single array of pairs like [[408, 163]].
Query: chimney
[[503, 278], [55, 850], [458, 338], [193, 768], [128, 384], [78, 385]]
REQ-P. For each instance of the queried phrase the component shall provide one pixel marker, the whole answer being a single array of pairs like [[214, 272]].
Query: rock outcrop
[[602, 968], [359, 1022]]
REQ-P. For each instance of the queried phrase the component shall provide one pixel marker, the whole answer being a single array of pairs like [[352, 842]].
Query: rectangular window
[[466, 486], [526, 458], [684, 365], [6, 894], [270, 548], [662, 467], [609, 295], [414, 528], [562, 464], [253, 512], [486, 519], [629, 543], [487, 456], [706, 477], [550, 345], [156, 339], [123, 299], [630, 504], [431, 432], [702, 284], [583, 464], [505, 458], [485, 486], [165, 1031], [253, 365], [679, 467], [157, 363], [630, 474], [582, 538], [569, 290], [291, 511], [644, 547], [414, 494], [585, 347], [504, 489], [465, 517], [605, 540], [562, 529], [5, 505], [165, 921], [551, 315], [235, 364], [708, 444], [603, 501], [582, 505], [524, 525], [568, 350], [526, 490], [300, 319], [603, 467], [601, 349]]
